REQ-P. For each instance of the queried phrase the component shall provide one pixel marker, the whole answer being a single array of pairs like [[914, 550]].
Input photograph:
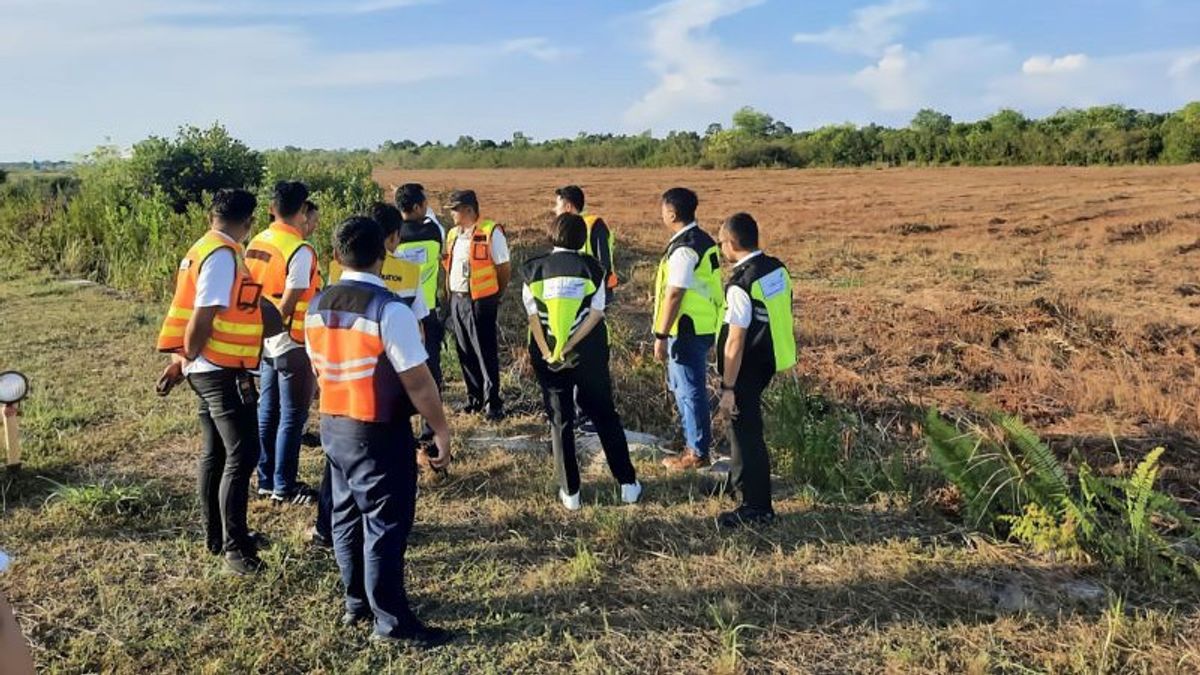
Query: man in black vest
[[756, 341]]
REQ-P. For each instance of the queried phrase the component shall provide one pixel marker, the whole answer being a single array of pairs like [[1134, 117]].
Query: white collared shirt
[[681, 266], [214, 288], [739, 310], [398, 328], [459, 276]]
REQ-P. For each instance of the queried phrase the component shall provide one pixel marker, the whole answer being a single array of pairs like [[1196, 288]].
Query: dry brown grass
[[1051, 292]]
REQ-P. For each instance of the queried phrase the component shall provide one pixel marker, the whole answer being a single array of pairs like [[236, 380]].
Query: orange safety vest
[[483, 281], [344, 331], [268, 257], [610, 281], [236, 340]]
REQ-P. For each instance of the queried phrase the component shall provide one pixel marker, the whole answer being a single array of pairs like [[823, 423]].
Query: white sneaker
[[631, 493], [571, 502]]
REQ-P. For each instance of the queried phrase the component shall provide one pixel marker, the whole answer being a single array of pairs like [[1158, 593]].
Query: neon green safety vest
[[771, 334], [421, 244], [702, 306], [562, 285]]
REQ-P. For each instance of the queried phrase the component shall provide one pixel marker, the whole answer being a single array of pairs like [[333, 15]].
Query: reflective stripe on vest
[[344, 333], [610, 281], [704, 303], [426, 256], [563, 304], [483, 280], [268, 258], [236, 340], [400, 276]]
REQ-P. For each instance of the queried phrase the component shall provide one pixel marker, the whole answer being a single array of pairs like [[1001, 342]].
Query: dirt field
[[1068, 296]]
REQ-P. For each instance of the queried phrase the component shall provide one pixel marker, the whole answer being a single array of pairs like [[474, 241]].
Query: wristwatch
[[662, 336], [727, 387]]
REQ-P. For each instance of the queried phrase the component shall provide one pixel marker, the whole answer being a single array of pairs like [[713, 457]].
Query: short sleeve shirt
[[214, 288], [681, 265], [531, 309], [739, 311], [398, 328], [460, 261]]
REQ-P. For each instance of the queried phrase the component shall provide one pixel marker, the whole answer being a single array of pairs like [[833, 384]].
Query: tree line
[[1102, 135]]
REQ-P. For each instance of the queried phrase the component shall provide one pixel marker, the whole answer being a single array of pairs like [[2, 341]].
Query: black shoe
[[421, 637], [310, 440], [745, 516], [301, 495], [243, 564], [469, 409], [351, 618], [258, 540], [214, 547], [495, 414], [321, 540]]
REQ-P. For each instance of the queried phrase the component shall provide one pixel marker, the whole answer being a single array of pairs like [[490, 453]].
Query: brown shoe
[[688, 459]]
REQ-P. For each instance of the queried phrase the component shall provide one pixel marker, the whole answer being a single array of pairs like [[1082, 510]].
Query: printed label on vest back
[[564, 287], [414, 255], [773, 284]]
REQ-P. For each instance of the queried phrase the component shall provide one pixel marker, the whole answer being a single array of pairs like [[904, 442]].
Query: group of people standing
[[370, 342]]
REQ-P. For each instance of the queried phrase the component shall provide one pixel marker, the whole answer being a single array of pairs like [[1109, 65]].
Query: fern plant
[[1011, 478]]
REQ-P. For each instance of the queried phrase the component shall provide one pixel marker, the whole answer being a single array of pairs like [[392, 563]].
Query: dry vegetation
[[1067, 296], [1051, 293]]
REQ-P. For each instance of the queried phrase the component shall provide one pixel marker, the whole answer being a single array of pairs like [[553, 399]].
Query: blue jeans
[[287, 385], [686, 370]]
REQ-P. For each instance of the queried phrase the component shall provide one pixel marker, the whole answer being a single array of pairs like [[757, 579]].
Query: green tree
[[196, 161], [1181, 135], [753, 123]]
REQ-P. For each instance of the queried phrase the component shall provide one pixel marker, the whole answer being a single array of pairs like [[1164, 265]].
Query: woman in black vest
[[568, 346]]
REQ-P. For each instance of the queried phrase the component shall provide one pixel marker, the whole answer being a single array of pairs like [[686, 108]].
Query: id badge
[[248, 295]]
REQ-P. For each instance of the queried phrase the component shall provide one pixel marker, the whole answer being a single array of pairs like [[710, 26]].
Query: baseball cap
[[463, 198]]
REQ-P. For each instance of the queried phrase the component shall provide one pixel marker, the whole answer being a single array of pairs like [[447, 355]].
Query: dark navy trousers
[[373, 476]]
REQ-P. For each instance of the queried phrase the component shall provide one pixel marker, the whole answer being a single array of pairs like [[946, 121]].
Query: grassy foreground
[[110, 573]]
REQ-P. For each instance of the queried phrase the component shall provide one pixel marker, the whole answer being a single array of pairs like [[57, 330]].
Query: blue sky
[[353, 73]]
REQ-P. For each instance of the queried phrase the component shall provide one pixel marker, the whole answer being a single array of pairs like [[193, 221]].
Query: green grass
[[110, 573]]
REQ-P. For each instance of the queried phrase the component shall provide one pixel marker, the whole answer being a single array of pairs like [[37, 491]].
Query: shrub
[[195, 162], [1010, 480], [817, 443]]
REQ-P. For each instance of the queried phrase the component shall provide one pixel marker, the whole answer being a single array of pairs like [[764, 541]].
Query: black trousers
[[750, 466], [373, 472], [229, 425], [476, 336], [590, 384], [435, 334]]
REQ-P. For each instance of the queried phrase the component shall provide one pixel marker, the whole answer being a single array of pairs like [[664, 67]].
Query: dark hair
[[409, 196], [683, 201], [743, 230], [289, 198], [310, 205], [572, 194], [569, 231], [233, 205], [358, 242], [387, 216]]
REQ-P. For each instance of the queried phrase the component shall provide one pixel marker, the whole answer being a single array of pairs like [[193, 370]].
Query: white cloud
[[944, 73], [1155, 79], [871, 32], [1047, 65], [692, 66]]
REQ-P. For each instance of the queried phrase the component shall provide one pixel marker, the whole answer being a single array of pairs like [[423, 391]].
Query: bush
[[1010, 480], [196, 162], [817, 443]]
